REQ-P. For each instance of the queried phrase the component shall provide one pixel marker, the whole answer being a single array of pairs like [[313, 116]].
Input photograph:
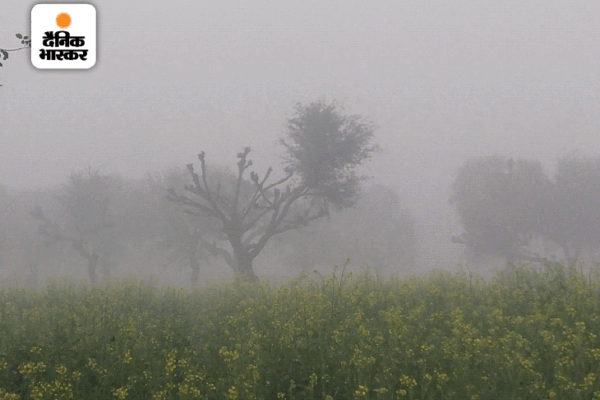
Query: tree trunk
[[92, 259], [92, 263], [195, 268], [244, 270], [242, 260]]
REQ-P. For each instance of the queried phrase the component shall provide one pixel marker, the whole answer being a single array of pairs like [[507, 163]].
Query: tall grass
[[526, 335]]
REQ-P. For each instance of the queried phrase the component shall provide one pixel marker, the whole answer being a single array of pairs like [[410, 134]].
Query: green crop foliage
[[531, 334]]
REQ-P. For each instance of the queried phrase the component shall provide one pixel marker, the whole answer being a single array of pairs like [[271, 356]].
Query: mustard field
[[530, 334]]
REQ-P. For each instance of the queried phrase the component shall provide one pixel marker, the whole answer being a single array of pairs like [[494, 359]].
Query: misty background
[[444, 81]]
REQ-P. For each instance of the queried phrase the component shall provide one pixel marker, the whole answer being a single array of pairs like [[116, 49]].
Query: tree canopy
[[504, 206], [573, 212], [324, 148]]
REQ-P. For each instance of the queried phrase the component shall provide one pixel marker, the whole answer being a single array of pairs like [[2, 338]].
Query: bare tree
[[323, 150]]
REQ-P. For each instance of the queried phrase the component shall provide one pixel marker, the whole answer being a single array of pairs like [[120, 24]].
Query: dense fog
[[486, 114]]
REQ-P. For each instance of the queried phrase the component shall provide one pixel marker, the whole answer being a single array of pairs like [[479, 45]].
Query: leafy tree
[[501, 206], [324, 148], [87, 223], [573, 214]]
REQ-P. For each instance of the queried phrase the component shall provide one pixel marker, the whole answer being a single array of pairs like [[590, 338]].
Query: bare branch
[[242, 166], [253, 234], [53, 231], [218, 251], [290, 198], [197, 188], [183, 200], [260, 192], [250, 224], [209, 197], [281, 228], [279, 182], [300, 222]]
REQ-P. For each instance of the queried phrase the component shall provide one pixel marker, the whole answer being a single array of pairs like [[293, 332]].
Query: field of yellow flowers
[[529, 334]]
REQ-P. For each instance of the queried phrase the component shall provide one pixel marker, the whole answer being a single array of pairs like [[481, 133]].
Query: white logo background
[[83, 23]]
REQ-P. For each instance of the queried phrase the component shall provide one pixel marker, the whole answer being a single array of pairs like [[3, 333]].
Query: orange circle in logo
[[63, 20]]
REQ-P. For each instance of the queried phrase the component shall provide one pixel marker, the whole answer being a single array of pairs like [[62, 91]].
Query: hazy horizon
[[444, 81]]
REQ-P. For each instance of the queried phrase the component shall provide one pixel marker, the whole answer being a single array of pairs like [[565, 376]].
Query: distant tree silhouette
[[87, 222], [376, 231], [153, 220], [500, 205], [573, 210], [504, 205]]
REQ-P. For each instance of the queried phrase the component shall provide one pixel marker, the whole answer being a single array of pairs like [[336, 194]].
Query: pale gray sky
[[444, 80]]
